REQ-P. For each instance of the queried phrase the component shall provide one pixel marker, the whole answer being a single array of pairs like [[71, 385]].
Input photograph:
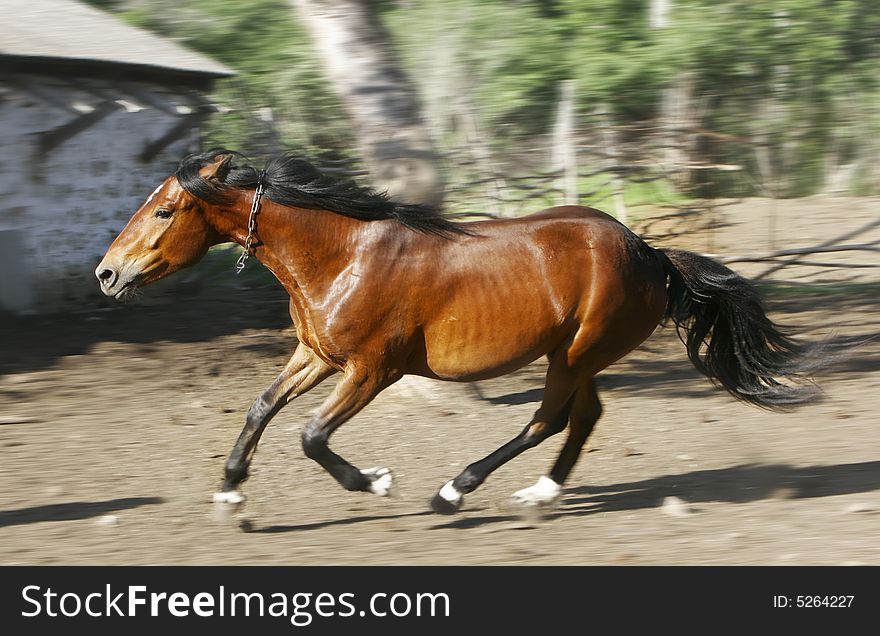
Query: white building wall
[[60, 211]]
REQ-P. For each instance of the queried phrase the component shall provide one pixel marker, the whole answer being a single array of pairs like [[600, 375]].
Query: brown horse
[[380, 289]]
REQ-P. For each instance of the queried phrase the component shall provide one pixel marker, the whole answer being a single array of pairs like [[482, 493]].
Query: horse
[[380, 289]]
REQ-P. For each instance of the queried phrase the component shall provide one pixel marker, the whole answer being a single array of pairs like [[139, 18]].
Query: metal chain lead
[[252, 225]]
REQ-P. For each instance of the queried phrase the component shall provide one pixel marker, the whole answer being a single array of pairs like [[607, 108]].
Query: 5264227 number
[[823, 601]]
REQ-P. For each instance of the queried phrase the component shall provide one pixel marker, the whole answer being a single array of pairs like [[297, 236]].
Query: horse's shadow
[[737, 484], [317, 525], [71, 511]]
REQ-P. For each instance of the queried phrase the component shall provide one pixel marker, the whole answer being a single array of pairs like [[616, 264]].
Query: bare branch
[[816, 249]]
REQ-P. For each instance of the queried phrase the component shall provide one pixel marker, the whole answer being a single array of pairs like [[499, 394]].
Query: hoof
[[381, 481], [448, 501], [234, 497], [226, 503], [542, 495]]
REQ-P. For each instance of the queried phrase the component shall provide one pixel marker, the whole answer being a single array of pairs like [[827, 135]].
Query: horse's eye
[[163, 213]]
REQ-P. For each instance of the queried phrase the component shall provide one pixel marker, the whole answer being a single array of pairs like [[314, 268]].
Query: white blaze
[[155, 192]]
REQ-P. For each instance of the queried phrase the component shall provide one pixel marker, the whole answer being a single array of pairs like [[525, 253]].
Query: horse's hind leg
[[585, 411], [304, 371], [548, 420]]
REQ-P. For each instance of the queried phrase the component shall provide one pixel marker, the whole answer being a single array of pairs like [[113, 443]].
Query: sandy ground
[[115, 423]]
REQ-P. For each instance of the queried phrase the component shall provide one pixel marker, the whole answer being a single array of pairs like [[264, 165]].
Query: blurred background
[[784, 96], [643, 108], [749, 131]]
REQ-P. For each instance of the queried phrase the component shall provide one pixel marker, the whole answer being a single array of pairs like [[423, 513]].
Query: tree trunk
[[564, 153], [362, 67]]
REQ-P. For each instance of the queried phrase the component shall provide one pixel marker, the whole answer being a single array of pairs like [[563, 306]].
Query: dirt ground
[[115, 423]]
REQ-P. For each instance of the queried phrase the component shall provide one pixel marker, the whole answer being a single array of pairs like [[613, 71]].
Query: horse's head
[[168, 232]]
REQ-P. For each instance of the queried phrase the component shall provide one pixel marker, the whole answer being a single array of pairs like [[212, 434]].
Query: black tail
[[745, 353]]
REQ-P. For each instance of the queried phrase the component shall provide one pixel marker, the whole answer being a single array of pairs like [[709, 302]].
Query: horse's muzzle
[[112, 283]]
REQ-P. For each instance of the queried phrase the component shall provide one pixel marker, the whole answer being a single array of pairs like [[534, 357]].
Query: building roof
[[68, 31]]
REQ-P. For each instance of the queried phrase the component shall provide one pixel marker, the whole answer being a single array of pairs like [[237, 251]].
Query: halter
[[252, 224]]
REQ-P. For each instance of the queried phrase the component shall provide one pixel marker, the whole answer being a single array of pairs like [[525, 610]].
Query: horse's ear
[[219, 169]]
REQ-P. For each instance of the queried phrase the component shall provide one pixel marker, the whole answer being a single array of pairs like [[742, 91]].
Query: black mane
[[293, 181]]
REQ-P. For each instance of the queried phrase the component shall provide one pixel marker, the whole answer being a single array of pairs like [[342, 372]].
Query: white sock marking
[[545, 491], [229, 497], [450, 494], [382, 480]]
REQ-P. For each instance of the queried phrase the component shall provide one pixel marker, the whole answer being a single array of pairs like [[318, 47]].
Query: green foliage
[[506, 54], [783, 73], [276, 68], [799, 76], [515, 53]]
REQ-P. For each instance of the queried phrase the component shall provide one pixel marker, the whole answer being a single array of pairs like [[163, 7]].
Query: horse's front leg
[[353, 393], [304, 371]]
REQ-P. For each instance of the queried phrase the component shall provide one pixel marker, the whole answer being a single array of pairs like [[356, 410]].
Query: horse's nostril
[[105, 274]]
